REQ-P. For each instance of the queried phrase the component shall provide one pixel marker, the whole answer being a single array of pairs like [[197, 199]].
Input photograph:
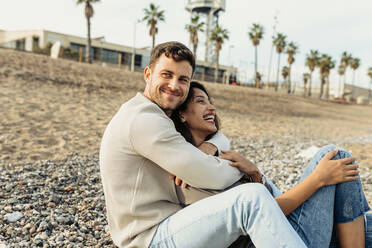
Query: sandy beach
[[57, 110]]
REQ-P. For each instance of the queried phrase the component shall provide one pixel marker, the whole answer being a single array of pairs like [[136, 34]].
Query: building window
[[35, 42], [109, 56], [20, 44], [137, 60]]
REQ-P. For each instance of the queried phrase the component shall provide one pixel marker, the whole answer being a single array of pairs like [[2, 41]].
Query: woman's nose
[[211, 107]]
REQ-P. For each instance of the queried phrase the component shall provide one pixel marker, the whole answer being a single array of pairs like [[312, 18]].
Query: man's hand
[[208, 148], [242, 164], [178, 181], [331, 172]]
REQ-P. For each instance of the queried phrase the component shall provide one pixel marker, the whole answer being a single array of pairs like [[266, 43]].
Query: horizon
[[336, 27]]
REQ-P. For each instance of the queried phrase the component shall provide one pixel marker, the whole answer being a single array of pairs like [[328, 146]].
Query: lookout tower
[[210, 9]]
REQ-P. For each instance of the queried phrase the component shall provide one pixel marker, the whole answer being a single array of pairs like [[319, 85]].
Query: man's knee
[[253, 192]]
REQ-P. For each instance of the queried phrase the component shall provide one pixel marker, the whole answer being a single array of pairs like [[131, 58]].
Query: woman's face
[[200, 114]]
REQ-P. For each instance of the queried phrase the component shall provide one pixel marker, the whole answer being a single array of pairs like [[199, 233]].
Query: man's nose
[[173, 84]]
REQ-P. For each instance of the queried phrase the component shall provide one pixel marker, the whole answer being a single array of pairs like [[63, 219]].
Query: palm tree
[[152, 16], [370, 75], [89, 12], [291, 51], [255, 35], [306, 78], [312, 60], [279, 43], [341, 72], [285, 72], [218, 37], [325, 65], [354, 64], [345, 62], [193, 28]]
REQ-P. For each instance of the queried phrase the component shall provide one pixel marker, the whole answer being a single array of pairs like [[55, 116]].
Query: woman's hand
[[178, 181], [331, 172], [242, 164]]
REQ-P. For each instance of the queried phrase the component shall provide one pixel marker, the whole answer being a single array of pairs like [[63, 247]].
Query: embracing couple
[[170, 180]]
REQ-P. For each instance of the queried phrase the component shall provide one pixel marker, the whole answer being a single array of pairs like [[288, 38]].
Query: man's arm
[[153, 136]]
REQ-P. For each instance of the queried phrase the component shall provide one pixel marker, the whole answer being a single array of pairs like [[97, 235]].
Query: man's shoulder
[[140, 104]]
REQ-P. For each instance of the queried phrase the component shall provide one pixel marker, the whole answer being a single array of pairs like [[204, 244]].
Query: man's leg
[[314, 219], [219, 220]]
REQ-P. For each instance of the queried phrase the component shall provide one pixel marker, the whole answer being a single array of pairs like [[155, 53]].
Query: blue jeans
[[314, 219], [249, 209]]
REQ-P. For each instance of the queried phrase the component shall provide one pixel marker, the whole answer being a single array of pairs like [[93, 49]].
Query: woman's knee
[[342, 153]]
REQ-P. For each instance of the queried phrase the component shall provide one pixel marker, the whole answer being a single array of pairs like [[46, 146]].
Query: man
[[141, 147]]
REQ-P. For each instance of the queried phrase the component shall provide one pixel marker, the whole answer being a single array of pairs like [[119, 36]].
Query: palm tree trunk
[[195, 46], [305, 93], [321, 88], [87, 51], [327, 88], [153, 41], [353, 83], [294, 87], [277, 74], [216, 69], [255, 66], [289, 79], [344, 81], [269, 72], [339, 86], [311, 79]]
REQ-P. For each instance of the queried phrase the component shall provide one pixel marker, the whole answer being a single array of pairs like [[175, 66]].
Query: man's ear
[[147, 74]]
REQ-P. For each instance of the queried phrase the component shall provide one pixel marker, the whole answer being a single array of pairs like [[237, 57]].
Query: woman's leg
[[340, 203], [368, 228]]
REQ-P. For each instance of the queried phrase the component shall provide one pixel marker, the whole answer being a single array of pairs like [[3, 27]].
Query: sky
[[331, 26]]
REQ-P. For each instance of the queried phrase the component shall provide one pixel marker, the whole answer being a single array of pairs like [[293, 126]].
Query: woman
[[311, 208]]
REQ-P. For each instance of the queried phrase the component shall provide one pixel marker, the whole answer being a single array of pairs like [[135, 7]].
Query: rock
[[14, 217]]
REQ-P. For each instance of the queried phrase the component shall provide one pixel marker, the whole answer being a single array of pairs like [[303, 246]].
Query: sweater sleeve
[[154, 136], [220, 141]]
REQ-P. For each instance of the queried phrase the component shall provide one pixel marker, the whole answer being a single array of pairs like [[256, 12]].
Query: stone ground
[[54, 113]]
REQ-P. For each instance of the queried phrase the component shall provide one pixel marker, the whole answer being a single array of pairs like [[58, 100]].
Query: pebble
[[62, 202], [13, 217]]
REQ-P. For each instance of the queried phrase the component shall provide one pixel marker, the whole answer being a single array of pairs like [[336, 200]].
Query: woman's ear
[[182, 118]]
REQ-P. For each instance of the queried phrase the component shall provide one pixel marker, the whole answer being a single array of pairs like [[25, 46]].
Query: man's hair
[[174, 50]]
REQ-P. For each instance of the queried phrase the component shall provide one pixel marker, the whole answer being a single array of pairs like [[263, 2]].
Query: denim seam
[[174, 234], [169, 236]]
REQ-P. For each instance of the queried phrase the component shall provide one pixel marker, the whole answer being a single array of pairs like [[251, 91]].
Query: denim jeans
[[314, 219], [249, 209]]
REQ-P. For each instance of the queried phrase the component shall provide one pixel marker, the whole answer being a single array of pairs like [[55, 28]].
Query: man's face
[[168, 83]]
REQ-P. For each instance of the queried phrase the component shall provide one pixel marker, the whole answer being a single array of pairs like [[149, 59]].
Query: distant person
[[329, 192], [141, 146]]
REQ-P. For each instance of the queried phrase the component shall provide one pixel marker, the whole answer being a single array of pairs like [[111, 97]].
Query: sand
[[51, 108]]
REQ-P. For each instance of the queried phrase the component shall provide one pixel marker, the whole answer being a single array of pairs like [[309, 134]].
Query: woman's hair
[[182, 127]]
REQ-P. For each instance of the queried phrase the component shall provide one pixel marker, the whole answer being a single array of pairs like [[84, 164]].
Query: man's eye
[[166, 75]]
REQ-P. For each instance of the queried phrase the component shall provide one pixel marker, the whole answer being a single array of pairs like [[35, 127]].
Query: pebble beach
[[53, 115]]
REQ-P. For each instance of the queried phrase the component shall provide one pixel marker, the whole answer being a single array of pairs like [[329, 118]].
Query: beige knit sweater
[[139, 148]]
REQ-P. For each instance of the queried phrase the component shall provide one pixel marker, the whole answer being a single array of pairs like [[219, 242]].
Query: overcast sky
[[331, 27]]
